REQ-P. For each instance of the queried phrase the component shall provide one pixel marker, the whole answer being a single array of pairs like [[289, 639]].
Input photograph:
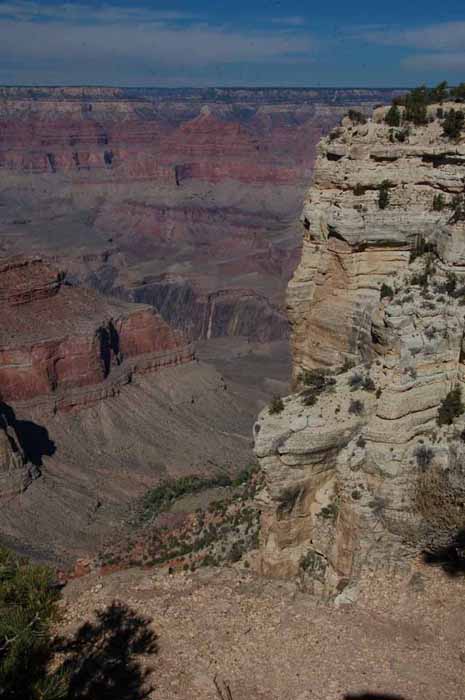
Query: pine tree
[[28, 606], [393, 116]]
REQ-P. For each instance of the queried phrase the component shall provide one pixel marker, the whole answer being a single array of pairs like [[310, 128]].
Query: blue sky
[[244, 42]]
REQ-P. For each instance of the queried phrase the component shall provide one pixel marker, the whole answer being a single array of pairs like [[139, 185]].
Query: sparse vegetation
[[314, 564], [28, 607], [276, 405], [211, 535], [439, 497], [424, 456], [393, 116], [357, 117], [383, 196], [356, 407], [330, 512], [288, 499], [458, 208], [386, 292], [162, 497], [451, 407], [453, 124], [361, 382], [359, 190], [439, 203], [316, 382]]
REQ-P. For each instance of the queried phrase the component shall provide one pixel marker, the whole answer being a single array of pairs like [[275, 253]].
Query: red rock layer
[[121, 139], [56, 339]]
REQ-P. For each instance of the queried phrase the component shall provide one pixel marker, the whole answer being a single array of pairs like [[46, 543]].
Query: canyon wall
[[160, 194], [363, 463], [71, 344]]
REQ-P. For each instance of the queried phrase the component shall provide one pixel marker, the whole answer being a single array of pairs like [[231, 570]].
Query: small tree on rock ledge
[[451, 407]]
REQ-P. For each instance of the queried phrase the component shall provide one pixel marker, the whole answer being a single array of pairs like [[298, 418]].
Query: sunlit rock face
[[72, 344], [377, 303]]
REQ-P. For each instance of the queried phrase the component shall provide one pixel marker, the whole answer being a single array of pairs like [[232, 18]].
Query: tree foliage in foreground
[[28, 607]]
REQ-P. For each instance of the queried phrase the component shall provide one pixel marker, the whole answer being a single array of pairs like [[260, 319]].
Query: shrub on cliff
[[386, 292], [451, 407], [356, 407], [276, 405], [453, 124], [383, 197], [458, 92], [357, 117], [28, 607], [393, 116], [424, 456], [439, 203]]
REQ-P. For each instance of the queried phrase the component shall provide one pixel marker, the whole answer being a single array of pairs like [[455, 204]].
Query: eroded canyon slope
[[184, 199], [100, 399], [364, 463]]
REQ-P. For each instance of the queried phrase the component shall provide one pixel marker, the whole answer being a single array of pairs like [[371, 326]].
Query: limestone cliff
[[377, 313]]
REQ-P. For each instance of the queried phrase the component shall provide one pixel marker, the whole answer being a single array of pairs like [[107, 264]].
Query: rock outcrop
[[361, 471], [15, 474], [70, 344]]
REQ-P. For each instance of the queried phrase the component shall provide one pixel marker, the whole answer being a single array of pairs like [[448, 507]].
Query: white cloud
[[436, 61], [446, 36], [78, 40]]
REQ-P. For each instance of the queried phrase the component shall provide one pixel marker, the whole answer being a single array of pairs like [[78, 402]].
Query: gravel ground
[[267, 639]]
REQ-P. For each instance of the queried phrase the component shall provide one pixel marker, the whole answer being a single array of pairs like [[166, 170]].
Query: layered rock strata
[[198, 189], [377, 312], [70, 344]]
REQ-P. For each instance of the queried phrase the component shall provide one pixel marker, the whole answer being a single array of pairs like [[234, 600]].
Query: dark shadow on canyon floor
[[103, 659], [451, 557], [33, 438]]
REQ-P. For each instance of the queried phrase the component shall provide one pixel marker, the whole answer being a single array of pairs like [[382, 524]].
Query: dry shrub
[[439, 498]]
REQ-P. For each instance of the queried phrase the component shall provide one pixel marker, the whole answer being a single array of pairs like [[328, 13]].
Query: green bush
[[451, 407], [317, 381], [458, 92], [276, 405], [359, 190], [28, 608], [357, 117], [383, 197], [386, 291], [439, 203], [162, 497], [393, 116], [453, 124]]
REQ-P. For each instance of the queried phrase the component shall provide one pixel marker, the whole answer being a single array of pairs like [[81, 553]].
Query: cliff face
[[377, 314], [204, 184], [70, 343], [15, 473]]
